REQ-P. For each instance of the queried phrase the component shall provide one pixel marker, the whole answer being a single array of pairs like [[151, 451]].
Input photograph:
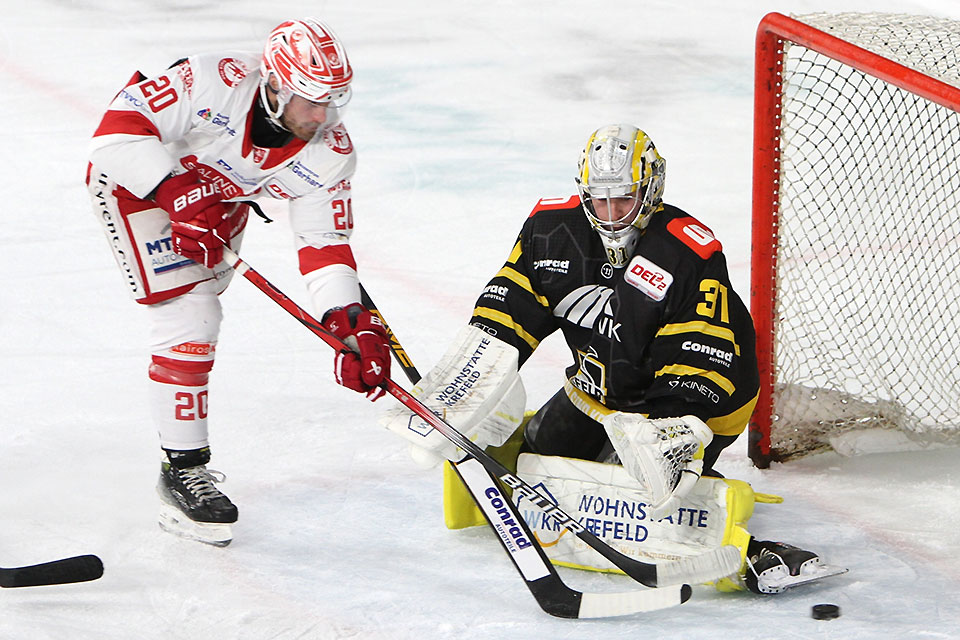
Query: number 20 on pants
[[191, 406]]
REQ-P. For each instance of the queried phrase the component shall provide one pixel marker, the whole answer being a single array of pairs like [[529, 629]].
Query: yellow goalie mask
[[621, 185]]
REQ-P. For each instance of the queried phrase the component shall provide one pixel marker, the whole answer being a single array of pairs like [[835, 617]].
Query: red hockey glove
[[370, 364], [199, 224]]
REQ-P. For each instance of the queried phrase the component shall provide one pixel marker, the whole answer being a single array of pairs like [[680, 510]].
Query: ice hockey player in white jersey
[[174, 165], [663, 374]]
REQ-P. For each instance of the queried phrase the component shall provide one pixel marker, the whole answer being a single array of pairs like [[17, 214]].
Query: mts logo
[[163, 245]]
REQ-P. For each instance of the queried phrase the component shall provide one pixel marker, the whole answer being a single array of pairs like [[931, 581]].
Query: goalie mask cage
[[856, 233]]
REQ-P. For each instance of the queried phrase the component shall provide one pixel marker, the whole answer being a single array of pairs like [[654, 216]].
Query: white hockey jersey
[[198, 114]]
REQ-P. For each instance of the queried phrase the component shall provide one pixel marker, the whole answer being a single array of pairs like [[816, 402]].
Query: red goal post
[[856, 127]]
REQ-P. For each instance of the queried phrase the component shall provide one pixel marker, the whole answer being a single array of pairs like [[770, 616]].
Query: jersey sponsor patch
[[232, 71], [186, 76], [548, 264], [695, 235], [648, 277], [194, 348], [338, 139], [585, 304], [227, 187]]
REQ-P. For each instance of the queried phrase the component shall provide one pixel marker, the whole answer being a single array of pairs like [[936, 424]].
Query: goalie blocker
[[475, 387]]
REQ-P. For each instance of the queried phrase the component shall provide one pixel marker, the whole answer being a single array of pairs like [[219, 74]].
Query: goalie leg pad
[[459, 508], [613, 506]]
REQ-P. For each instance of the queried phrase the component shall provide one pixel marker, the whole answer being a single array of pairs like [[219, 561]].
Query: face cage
[[619, 243]]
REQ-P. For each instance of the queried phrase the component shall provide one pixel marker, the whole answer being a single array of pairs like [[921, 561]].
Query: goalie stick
[[75, 569], [540, 576], [526, 553]]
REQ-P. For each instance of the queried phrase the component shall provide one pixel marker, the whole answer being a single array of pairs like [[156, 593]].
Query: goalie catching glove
[[664, 454], [199, 223], [364, 368], [476, 388]]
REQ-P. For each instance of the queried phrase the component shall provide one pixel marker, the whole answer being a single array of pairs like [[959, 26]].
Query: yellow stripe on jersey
[[524, 282], [733, 423], [507, 321], [684, 370], [699, 326], [515, 253]]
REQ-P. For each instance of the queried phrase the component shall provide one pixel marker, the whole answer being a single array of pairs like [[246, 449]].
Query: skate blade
[[172, 520], [810, 571]]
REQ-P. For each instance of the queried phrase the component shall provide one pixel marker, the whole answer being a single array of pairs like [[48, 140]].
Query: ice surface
[[465, 113]]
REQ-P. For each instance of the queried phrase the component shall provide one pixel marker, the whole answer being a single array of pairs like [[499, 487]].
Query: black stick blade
[[67, 570]]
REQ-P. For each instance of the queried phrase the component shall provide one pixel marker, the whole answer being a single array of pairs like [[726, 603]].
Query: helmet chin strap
[[274, 115]]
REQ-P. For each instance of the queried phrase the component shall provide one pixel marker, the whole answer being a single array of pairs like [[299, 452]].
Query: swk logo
[[589, 307]]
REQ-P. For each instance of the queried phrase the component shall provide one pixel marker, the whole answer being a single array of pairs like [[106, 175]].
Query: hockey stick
[[67, 570], [550, 592], [708, 566], [504, 517]]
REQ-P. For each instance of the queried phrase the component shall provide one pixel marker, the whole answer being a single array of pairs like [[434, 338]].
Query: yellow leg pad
[[459, 509], [740, 501]]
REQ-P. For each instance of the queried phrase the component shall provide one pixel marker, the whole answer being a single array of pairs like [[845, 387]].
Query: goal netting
[[856, 267]]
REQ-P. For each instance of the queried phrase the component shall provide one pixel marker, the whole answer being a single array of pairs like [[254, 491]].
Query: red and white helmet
[[308, 60]]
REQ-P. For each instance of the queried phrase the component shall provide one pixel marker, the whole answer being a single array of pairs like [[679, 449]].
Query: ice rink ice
[[464, 115]]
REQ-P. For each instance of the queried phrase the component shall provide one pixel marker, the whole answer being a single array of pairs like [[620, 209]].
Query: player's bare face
[[616, 214], [303, 118]]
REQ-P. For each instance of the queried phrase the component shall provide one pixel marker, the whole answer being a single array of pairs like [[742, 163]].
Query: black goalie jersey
[[667, 335]]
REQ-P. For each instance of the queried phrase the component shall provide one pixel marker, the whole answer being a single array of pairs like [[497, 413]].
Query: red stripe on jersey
[[312, 258], [546, 204], [695, 235], [128, 122]]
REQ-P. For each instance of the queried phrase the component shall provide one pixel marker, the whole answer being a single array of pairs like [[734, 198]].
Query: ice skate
[[774, 566], [192, 506]]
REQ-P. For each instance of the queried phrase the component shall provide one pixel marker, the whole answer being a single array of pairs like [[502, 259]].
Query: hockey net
[[856, 234]]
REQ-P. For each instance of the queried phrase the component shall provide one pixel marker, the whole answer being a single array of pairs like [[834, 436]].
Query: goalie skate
[[773, 567], [192, 507]]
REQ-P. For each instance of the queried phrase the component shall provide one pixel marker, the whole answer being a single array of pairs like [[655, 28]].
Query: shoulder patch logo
[[648, 277], [546, 204], [695, 235], [232, 71], [186, 74], [338, 139]]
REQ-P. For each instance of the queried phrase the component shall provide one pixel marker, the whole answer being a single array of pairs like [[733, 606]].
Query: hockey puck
[[825, 611]]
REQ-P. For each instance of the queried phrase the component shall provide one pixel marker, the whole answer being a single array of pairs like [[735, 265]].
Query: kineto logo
[[583, 307]]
